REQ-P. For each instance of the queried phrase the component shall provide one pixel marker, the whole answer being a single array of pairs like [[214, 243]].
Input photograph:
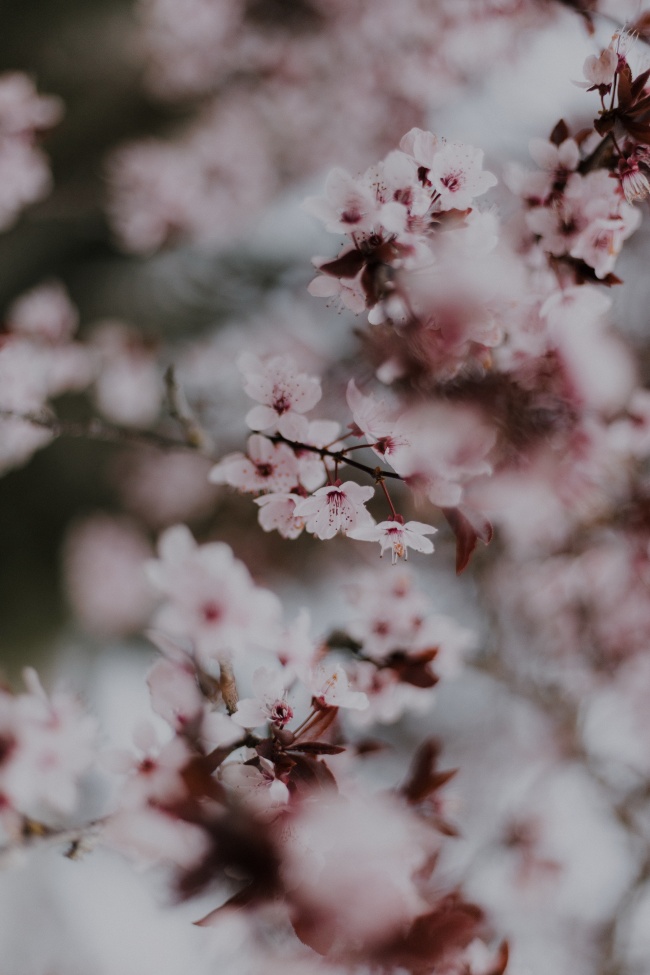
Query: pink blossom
[[269, 704], [210, 598], [330, 686], [268, 467], [153, 775], [376, 422], [559, 160], [174, 691], [256, 787], [351, 863], [48, 742], [277, 512], [349, 290], [456, 174], [103, 563], [129, 386], [397, 536], [283, 392], [601, 69], [349, 205], [600, 242], [45, 312], [313, 468], [340, 507]]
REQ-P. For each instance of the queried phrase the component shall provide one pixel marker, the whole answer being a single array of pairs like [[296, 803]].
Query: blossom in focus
[[397, 536], [269, 704], [338, 508], [277, 512], [284, 395], [330, 687], [268, 467]]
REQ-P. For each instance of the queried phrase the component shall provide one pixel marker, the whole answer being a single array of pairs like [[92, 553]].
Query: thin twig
[[180, 410]]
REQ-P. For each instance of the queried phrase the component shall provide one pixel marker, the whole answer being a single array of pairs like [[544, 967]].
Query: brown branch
[[96, 429], [337, 455]]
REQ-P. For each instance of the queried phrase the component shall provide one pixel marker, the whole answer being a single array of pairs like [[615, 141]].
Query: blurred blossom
[[103, 564]]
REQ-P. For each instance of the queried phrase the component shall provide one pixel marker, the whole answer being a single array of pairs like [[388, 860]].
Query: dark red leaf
[[640, 130], [423, 777], [320, 724], [559, 133], [370, 746], [346, 265], [604, 124], [639, 84], [469, 528], [625, 86], [413, 668], [243, 898], [317, 748], [310, 775], [450, 926]]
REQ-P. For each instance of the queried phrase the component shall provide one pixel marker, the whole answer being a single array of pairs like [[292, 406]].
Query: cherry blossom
[[269, 704], [48, 742], [397, 536], [210, 598], [256, 787], [284, 394], [330, 687], [376, 423], [338, 508], [268, 467], [277, 513], [457, 175]]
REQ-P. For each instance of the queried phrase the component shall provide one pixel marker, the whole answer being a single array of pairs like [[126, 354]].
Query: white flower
[[210, 598], [397, 536], [331, 688], [268, 467], [277, 512], [457, 176], [269, 704], [283, 392], [340, 507]]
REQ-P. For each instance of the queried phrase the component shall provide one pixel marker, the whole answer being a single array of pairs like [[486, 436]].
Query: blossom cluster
[[292, 458], [257, 788], [270, 776], [272, 98], [46, 745]]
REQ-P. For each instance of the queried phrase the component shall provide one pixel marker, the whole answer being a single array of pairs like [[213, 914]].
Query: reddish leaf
[[346, 265], [641, 27], [320, 724], [469, 528], [243, 898], [310, 775], [317, 748], [625, 86], [370, 746], [604, 124], [559, 133], [310, 929], [413, 668], [450, 926], [639, 83], [640, 130], [423, 778]]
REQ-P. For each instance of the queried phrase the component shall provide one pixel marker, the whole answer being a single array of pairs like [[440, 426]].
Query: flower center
[[211, 612]]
